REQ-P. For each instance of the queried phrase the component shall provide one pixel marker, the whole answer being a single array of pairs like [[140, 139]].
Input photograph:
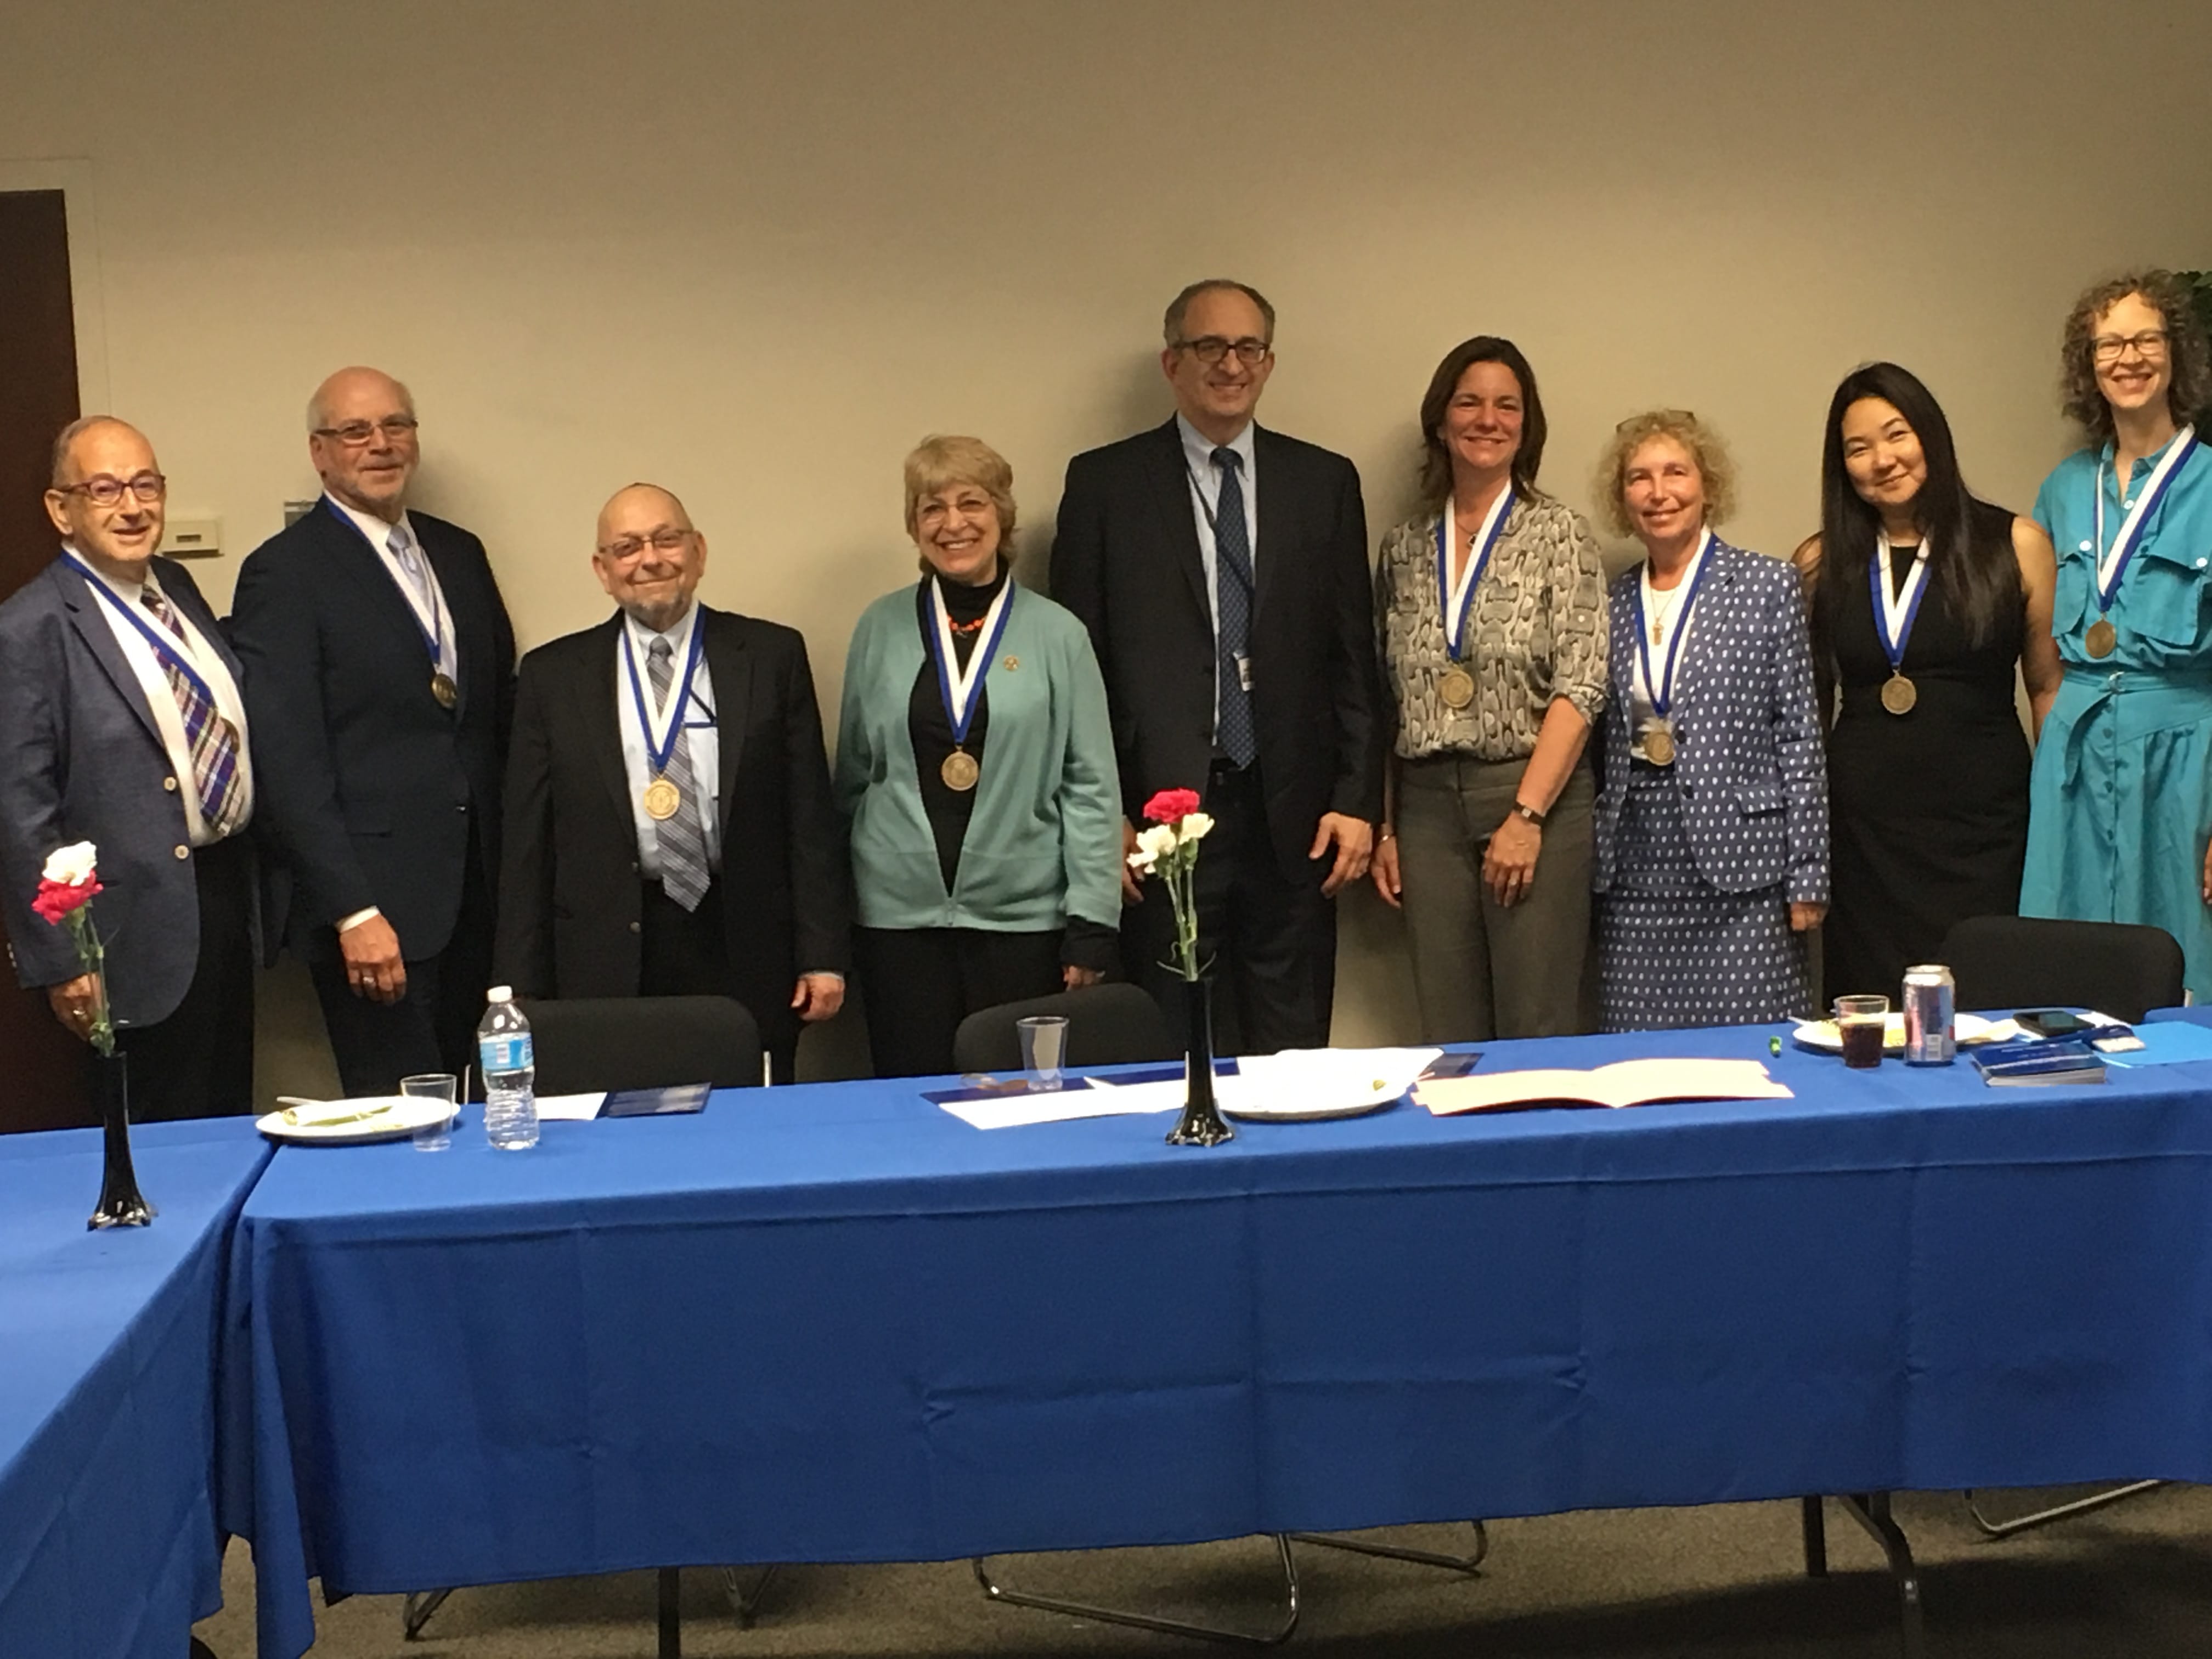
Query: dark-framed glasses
[[662, 540], [393, 429], [2111, 348], [1210, 348], [106, 491]]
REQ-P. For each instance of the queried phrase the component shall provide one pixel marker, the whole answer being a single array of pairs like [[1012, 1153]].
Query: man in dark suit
[[669, 826], [121, 725], [1221, 571], [381, 679]]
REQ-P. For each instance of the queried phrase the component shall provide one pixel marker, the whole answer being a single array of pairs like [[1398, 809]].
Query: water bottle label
[[503, 1053]]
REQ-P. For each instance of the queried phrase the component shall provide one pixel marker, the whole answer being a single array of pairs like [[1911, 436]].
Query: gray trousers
[[1483, 970]]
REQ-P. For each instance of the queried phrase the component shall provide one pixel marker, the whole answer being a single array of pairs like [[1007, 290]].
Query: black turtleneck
[[1088, 944]]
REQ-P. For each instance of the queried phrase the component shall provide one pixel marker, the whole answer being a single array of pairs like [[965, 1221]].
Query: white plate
[[399, 1116], [1822, 1033], [1301, 1114]]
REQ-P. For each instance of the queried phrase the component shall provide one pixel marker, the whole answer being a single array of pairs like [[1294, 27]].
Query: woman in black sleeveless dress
[[1927, 763]]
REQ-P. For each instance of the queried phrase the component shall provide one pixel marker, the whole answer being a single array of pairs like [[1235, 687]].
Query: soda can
[[1930, 992]]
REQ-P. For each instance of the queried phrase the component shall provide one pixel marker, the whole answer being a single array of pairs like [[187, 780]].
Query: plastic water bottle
[[510, 1073]]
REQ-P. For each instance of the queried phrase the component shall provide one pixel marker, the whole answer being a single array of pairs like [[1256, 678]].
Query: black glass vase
[[1200, 1124], [121, 1204]]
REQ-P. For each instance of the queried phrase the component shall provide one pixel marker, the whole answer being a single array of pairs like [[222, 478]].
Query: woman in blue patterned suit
[[1712, 826]]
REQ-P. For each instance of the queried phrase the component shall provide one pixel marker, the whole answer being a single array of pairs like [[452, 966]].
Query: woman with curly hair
[[2120, 800], [1712, 827]]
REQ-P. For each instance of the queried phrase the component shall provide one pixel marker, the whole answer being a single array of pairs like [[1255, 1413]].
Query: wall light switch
[[193, 538]]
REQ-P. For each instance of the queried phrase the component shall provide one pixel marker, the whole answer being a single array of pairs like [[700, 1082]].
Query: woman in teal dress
[[2120, 800]]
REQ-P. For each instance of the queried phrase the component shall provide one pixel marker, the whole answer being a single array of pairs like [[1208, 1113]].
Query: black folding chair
[[589, 1043], [1107, 1025], [585, 1045], [2120, 968]]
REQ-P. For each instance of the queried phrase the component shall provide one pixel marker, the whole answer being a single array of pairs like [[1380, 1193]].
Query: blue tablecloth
[[836, 1323], [108, 1547]]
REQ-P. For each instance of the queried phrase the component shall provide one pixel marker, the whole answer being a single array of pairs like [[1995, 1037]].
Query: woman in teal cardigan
[[975, 761]]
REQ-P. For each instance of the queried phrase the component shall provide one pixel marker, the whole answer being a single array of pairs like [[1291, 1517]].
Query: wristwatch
[[1527, 814]]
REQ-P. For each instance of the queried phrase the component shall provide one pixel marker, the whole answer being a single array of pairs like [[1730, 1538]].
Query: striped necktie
[[681, 839], [212, 740]]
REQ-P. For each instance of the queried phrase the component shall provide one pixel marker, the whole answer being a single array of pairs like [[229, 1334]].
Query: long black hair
[[1980, 580]]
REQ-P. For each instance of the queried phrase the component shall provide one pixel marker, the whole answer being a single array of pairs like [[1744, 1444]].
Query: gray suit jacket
[[81, 759]]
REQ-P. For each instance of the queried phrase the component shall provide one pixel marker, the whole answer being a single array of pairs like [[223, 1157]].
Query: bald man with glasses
[[121, 723], [380, 680]]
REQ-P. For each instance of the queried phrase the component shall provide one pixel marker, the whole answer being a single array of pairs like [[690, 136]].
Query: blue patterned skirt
[[1672, 949]]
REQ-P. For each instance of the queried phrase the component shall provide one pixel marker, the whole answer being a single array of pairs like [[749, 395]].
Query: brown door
[[41, 1071]]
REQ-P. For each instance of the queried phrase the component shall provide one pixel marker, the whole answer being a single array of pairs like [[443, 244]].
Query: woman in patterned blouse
[[1712, 830], [1491, 606]]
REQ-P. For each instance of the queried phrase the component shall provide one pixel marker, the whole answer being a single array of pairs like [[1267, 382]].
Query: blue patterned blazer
[[1753, 783]]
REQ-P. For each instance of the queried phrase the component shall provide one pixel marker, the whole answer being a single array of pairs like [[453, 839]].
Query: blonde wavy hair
[[939, 462], [1704, 447]]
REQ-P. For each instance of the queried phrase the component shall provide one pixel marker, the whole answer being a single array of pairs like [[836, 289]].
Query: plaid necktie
[[212, 739], [682, 838], [1233, 611]]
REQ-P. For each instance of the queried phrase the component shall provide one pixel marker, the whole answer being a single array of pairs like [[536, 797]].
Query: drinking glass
[[1044, 1047], [438, 1135], [1862, 1022]]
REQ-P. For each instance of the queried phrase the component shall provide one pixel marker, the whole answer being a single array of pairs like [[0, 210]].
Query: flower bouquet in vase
[[1167, 849], [66, 889]]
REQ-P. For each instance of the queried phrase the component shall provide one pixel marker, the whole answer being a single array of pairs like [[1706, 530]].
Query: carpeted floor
[[2133, 1581]]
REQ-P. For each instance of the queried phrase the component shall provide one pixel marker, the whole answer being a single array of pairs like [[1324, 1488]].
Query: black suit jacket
[[1126, 560], [370, 791], [570, 896]]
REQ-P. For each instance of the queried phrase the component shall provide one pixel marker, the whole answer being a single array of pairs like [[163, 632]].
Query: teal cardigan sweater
[[1045, 842]]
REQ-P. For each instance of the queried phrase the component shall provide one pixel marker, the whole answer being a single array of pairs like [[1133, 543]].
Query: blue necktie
[[1232, 613]]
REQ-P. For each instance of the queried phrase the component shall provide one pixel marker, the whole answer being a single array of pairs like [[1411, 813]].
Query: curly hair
[[1704, 447], [2188, 391], [939, 461]]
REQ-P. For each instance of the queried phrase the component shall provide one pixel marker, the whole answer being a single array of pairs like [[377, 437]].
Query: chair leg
[[996, 1592], [1871, 1510], [415, 1612], [2056, 1512], [746, 1603], [1463, 1564], [671, 1615], [1816, 1540]]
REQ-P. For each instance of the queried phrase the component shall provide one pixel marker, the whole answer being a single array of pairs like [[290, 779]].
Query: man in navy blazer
[[121, 723], [1221, 571], [380, 679]]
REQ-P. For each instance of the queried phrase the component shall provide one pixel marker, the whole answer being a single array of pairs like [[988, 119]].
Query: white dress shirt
[[700, 736], [1205, 479], [153, 681], [431, 612], [1663, 616]]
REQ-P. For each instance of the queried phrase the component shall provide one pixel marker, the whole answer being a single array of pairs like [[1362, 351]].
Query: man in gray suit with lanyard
[[121, 723]]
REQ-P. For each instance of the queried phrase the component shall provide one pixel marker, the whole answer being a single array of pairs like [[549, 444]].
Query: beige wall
[[753, 252]]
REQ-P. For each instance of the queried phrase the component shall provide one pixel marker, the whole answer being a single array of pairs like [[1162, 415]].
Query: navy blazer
[[81, 759], [371, 792], [1748, 762]]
